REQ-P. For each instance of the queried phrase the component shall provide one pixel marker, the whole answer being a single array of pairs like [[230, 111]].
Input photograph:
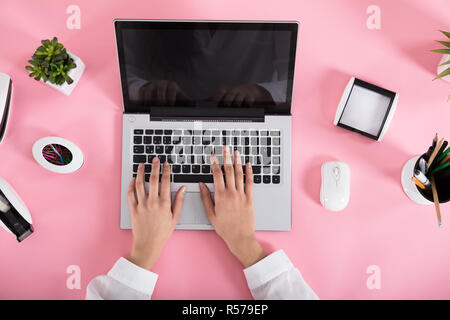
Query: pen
[[447, 158], [423, 165], [435, 152], [444, 154], [440, 167], [422, 178]]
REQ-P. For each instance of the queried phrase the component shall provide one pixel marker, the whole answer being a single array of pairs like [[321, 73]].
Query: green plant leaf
[[444, 51], [50, 62], [446, 33], [444, 63], [444, 73], [445, 43]]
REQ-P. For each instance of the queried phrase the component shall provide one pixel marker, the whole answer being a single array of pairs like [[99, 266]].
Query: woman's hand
[[153, 218], [232, 214]]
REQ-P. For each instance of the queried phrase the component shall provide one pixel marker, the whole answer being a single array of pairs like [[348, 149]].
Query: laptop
[[190, 87]]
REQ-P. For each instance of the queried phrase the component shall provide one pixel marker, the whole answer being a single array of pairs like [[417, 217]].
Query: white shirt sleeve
[[125, 281], [276, 278]]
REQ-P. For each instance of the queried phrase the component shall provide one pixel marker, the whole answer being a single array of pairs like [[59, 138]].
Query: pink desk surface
[[76, 217]]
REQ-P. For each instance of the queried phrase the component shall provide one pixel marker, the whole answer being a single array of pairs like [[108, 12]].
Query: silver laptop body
[[184, 124]]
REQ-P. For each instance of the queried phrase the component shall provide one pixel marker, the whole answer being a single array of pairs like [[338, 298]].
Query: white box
[[366, 109]]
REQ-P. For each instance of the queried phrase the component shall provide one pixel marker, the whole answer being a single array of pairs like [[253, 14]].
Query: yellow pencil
[[418, 183]]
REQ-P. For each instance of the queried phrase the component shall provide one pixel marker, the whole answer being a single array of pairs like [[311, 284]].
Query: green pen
[[444, 154], [442, 166]]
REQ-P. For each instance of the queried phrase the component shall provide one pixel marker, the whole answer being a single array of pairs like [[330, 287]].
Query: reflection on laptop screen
[[208, 64]]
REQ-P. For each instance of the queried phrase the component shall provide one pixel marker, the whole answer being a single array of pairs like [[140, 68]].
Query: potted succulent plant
[[55, 66], [443, 71]]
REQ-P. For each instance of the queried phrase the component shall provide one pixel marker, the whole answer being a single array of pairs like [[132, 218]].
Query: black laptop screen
[[208, 65]]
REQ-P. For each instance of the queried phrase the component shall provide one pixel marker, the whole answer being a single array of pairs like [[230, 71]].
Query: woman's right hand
[[232, 214]]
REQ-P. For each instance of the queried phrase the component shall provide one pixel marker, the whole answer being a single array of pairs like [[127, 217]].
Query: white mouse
[[335, 189], [14, 215]]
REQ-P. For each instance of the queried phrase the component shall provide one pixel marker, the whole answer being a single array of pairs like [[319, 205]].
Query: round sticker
[[58, 155]]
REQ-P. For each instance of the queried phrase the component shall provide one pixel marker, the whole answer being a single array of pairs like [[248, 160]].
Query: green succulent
[[51, 62]]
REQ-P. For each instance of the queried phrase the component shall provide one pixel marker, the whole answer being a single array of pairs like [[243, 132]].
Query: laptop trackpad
[[193, 211]]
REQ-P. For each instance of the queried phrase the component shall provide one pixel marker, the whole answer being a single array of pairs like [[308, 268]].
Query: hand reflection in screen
[[245, 95], [164, 93]]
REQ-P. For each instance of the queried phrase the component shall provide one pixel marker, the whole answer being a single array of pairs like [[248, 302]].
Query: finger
[[218, 96], [161, 92], [228, 168], [229, 97], [148, 93], [238, 173], [219, 184], [248, 181], [172, 94], [132, 201], [239, 100], [181, 95], [140, 183], [205, 194], [164, 192], [154, 179], [178, 204], [250, 101]]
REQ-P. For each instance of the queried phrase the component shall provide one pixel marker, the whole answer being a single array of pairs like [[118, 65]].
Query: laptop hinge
[[206, 114]]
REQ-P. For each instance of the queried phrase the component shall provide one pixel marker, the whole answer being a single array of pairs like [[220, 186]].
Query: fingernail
[[183, 189], [238, 157], [213, 158], [155, 159], [166, 164], [202, 185]]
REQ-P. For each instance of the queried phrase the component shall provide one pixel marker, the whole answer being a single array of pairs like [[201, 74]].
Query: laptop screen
[[206, 65]]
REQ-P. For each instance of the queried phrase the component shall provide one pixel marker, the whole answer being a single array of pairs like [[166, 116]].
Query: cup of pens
[[426, 178]]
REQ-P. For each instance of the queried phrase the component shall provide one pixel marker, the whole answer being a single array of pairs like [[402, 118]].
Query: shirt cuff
[[267, 269], [133, 276]]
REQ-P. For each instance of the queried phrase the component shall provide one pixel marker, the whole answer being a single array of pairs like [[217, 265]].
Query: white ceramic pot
[[408, 185], [440, 68], [75, 74]]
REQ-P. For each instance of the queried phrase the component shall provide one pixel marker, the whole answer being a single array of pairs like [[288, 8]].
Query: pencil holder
[[424, 197]]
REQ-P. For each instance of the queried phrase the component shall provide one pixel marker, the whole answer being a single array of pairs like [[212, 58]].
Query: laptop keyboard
[[188, 152]]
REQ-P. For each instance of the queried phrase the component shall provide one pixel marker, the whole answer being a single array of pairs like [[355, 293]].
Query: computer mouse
[[14, 215], [335, 189]]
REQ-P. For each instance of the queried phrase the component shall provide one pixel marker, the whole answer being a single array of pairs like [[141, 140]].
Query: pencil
[[435, 152], [436, 201], [418, 183]]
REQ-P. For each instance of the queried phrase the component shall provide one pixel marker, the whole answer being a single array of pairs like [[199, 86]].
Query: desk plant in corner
[[443, 70], [54, 65]]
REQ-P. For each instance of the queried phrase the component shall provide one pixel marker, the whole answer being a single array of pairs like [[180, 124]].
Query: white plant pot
[[440, 68], [75, 74]]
